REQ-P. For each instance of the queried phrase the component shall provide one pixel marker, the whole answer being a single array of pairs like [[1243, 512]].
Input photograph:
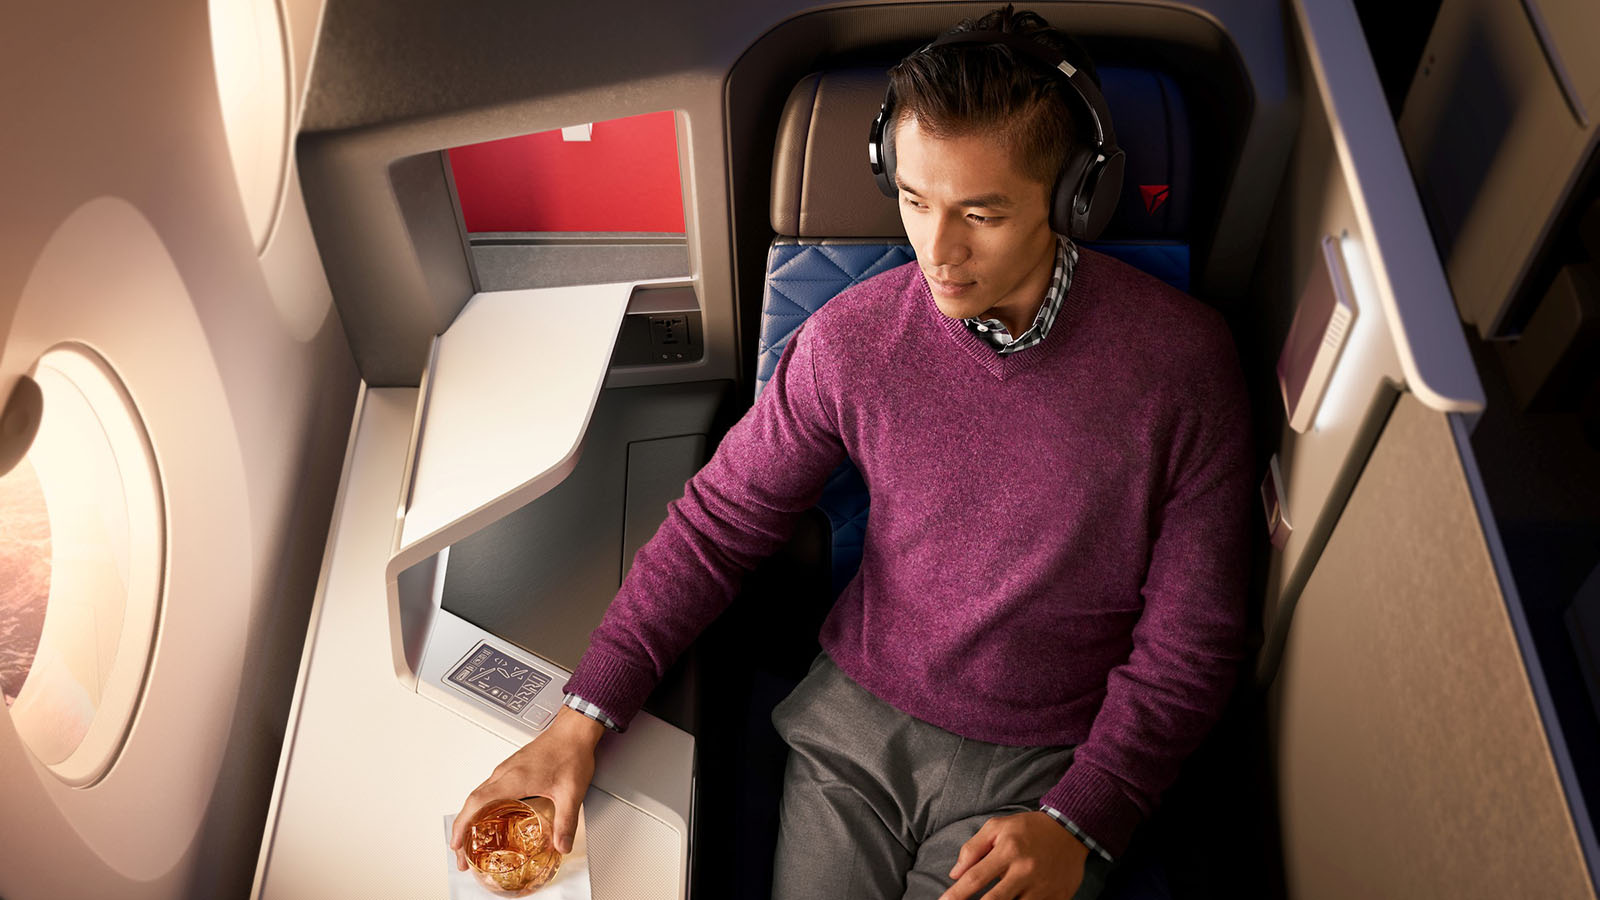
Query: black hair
[[970, 88]]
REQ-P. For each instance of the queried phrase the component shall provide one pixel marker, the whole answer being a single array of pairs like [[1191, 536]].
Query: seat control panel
[[508, 683]]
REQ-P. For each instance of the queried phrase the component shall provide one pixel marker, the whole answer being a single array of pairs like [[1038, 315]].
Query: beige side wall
[[123, 227], [1410, 755]]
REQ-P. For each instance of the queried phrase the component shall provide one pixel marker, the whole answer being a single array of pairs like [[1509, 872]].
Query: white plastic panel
[[1407, 278], [1348, 179], [362, 749], [504, 406], [507, 398]]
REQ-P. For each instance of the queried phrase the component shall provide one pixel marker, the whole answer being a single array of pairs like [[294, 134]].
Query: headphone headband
[[1099, 124], [1086, 190]]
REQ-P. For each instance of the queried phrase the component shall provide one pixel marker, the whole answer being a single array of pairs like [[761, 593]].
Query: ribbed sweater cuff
[[612, 684], [1094, 802]]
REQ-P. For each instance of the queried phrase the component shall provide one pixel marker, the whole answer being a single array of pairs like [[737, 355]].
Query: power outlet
[[670, 338]]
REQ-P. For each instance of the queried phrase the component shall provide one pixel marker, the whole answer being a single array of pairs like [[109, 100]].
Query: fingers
[[559, 770], [458, 829], [976, 848], [1007, 889], [981, 873], [566, 819]]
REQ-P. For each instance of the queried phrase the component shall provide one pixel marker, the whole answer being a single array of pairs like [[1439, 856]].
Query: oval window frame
[[121, 690], [252, 66]]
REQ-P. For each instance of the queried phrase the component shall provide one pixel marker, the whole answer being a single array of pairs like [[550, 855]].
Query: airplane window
[[250, 63], [81, 561], [24, 575], [586, 204]]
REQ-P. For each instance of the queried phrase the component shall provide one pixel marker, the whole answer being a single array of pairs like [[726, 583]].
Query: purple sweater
[[1056, 547]]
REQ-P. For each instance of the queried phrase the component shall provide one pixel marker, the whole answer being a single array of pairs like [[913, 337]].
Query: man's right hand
[[558, 764]]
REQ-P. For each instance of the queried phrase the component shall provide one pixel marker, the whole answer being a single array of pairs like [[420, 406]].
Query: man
[[1048, 613]]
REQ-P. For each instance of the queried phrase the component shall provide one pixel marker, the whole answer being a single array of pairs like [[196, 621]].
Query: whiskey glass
[[510, 845]]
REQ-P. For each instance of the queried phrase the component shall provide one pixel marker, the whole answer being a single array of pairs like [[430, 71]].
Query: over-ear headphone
[[1086, 191]]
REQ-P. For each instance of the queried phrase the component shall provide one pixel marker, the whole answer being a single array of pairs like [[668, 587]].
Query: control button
[[538, 716]]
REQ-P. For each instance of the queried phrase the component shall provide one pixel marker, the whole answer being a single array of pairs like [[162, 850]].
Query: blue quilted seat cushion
[[801, 276], [1166, 260]]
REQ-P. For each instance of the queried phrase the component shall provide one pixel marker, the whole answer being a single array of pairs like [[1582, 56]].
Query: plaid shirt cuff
[[1066, 823], [592, 711]]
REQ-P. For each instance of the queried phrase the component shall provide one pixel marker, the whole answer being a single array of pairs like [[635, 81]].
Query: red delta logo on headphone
[[1154, 195]]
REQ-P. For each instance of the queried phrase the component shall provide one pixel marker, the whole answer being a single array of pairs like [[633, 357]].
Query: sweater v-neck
[[1001, 366]]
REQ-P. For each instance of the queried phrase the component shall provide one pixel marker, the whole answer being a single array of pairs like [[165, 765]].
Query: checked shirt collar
[[993, 333]]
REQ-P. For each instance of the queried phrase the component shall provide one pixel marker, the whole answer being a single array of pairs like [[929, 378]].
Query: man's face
[[980, 226]]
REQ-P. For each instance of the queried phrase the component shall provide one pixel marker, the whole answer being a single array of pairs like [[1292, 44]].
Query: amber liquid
[[509, 846]]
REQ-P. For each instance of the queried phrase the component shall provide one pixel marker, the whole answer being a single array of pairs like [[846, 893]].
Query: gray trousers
[[876, 804]]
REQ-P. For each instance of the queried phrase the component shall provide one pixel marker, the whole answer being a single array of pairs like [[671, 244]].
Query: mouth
[[949, 288]]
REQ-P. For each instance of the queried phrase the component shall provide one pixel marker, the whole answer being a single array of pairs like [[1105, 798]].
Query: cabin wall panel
[[518, 264], [1321, 465], [1497, 144], [421, 186], [1411, 758], [240, 366], [392, 299]]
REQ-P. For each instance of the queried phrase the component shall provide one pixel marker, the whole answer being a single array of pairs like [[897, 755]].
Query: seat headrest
[[822, 187]]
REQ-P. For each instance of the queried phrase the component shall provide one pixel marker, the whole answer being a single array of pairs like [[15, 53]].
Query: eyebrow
[[994, 200]]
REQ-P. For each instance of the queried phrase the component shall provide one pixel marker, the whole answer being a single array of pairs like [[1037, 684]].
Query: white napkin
[[571, 881]]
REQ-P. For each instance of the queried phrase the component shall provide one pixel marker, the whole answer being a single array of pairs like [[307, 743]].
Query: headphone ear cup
[[880, 148], [1086, 195], [1064, 219], [886, 183], [1105, 189]]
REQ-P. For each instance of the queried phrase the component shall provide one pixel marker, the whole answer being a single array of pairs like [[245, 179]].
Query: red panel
[[624, 179]]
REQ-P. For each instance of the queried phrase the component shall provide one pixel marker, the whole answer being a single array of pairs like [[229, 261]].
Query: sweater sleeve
[[1188, 642], [739, 508]]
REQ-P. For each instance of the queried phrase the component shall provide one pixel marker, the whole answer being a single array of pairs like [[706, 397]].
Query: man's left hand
[[1030, 854]]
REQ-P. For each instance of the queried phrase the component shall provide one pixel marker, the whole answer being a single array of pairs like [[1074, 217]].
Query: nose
[[947, 244]]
